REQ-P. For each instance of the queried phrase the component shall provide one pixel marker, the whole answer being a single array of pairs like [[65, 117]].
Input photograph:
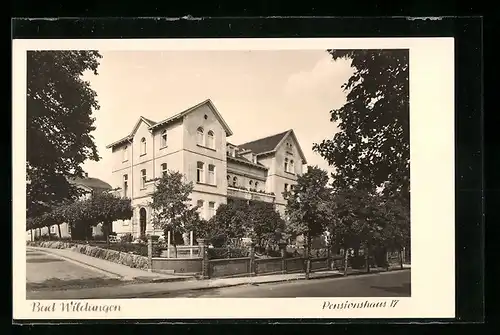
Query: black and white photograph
[[270, 173]]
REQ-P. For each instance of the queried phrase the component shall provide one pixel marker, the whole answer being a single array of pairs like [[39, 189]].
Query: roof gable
[[264, 145], [271, 143], [91, 183], [291, 134], [210, 104], [130, 136]]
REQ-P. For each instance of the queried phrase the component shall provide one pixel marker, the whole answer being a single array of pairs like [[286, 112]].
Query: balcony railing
[[249, 195]]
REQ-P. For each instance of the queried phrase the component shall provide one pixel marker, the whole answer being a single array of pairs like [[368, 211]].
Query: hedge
[[124, 258]]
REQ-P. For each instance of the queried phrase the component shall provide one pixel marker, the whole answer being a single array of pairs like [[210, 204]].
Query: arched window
[[256, 186], [125, 153], [143, 146], [199, 136], [286, 164], [250, 183], [292, 168], [228, 177], [235, 181], [163, 139], [210, 140]]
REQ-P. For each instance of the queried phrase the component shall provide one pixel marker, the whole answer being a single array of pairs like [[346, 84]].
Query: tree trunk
[[346, 258], [49, 234], [59, 231], [105, 231], [401, 258], [367, 259], [174, 243], [40, 233], [308, 252]]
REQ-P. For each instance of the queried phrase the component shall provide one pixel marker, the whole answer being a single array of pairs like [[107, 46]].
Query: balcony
[[234, 192]]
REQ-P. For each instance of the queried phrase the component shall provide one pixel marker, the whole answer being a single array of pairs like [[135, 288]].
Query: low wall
[[178, 265], [229, 267], [268, 265], [295, 264], [131, 260], [319, 264]]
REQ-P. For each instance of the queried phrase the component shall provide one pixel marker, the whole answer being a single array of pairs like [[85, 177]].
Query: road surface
[[388, 284], [48, 272]]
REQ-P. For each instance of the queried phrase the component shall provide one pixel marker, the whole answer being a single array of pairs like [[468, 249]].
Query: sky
[[258, 93]]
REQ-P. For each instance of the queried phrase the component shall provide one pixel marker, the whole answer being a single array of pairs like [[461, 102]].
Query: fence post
[[204, 258], [283, 256], [252, 258], [150, 254]]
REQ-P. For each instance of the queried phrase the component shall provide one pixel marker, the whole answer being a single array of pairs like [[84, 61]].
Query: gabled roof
[[193, 108], [271, 143], [92, 183], [265, 144], [153, 125]]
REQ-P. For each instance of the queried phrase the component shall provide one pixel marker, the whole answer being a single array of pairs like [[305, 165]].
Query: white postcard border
[[432, 188]]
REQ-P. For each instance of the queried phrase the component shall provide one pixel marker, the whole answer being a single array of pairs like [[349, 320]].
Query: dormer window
[[199, 136], [163, 143], [143, 146]]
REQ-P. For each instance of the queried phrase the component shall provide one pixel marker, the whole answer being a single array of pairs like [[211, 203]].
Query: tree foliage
[[101, 208], [369, 220], [171, 204], [265, 225], [372, 146], [237, 219], [229, 222], [307, 204], [59, 124]]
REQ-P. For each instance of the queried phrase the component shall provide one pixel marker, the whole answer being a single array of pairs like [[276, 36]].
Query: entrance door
[[142, 221]]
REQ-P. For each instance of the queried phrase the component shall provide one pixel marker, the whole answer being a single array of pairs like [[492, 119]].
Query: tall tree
[[372, 148], [59, 124], [171, 205], [307, 207]]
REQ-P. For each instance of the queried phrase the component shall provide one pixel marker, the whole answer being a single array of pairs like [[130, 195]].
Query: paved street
[[48, 272], [390, 284]]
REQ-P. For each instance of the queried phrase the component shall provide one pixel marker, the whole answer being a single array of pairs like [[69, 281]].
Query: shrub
[[127, 238], [358, 262], [116, 256]]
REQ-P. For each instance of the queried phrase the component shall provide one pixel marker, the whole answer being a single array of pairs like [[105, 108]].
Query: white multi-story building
[[194, 142]]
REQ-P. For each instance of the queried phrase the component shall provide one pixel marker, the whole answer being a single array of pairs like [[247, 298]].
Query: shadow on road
[[404, 289]]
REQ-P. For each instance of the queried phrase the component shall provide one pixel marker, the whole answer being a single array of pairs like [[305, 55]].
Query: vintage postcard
[[233, 178]]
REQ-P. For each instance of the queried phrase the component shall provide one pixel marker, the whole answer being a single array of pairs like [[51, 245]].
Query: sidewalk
[[113, 270], [150, 289]]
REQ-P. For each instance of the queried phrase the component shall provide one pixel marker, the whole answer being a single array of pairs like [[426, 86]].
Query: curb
[[202, 288]]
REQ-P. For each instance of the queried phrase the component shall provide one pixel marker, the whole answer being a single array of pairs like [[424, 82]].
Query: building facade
[[194, 142]]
